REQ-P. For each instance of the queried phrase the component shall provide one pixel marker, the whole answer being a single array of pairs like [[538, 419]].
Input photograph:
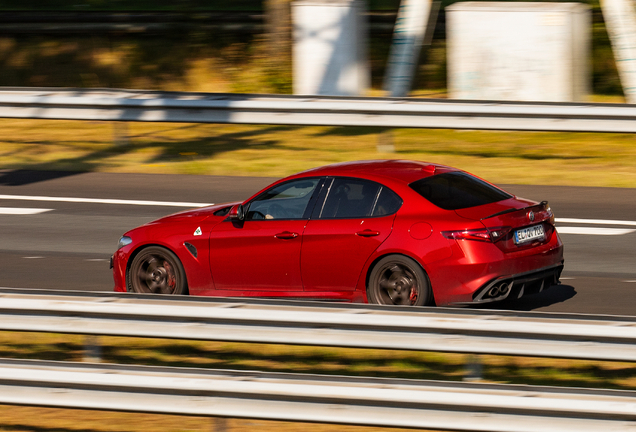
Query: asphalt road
[[48, 241]]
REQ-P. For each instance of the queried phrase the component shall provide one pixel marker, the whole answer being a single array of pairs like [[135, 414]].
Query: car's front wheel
[[398, 280], [156, 270]]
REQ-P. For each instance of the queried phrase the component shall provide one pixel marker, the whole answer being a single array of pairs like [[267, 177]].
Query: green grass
[[547, 158]]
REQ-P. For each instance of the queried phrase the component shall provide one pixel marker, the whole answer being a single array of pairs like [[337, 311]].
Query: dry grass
[[548, 158], [36, 419]]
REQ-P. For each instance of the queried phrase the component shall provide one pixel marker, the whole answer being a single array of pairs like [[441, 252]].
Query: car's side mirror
[[237, 213]]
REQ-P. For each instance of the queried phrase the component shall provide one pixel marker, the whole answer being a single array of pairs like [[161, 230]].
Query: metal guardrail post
[[120, 133], [474, 368], [385, 142], [219, 424], [92, 349]]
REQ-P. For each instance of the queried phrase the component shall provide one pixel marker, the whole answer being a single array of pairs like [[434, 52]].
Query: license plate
[[528, 234]]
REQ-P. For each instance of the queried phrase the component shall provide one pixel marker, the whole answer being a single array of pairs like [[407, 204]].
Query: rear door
[[351, 219]]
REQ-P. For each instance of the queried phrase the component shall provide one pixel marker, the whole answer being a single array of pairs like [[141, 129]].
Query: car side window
[[388, 203], [357, 198], [285, 201]]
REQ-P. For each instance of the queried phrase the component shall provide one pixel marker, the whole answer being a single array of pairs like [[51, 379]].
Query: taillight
[[549, 210], [498, 233], [481, 234]]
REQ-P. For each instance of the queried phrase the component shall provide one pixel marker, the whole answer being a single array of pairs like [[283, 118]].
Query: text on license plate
[[528, 234]]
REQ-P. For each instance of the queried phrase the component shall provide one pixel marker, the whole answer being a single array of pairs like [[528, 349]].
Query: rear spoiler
[[542, 203]]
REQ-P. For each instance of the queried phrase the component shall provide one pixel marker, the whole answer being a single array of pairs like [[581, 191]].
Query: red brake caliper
[[413, 296], [172, 280]]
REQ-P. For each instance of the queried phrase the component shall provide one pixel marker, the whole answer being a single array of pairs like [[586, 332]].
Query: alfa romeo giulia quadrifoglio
[[388, 231]]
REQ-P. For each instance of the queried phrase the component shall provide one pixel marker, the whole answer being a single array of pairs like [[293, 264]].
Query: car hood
[[194, 215]]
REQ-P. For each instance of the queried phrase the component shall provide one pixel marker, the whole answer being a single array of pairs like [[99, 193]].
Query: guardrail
[[295, 397], [534, 334], [148, 106], [313, 398]]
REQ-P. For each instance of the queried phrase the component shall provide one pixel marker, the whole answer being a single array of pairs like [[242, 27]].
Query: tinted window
[[457, 190], [355, 198], [285, 201], [388, 203]]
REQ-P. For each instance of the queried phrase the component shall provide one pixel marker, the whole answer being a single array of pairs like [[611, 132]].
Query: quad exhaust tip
[[499, 290], [504, 288]]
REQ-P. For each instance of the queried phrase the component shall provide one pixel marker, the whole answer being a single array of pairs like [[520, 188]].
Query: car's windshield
[[457, 190]]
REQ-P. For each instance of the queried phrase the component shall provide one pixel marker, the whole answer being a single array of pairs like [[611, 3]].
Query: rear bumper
[[518, 285], [476, 267]]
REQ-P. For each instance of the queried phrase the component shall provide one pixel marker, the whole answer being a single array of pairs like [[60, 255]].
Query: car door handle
[[368, 233], [286, 235]]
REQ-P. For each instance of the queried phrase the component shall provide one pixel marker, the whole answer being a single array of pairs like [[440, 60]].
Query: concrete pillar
[[329, 48], [412, 24], [519, 51], [620, 21], [92, 349]]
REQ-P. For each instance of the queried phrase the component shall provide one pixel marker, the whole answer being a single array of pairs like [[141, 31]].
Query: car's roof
[[402, 170]]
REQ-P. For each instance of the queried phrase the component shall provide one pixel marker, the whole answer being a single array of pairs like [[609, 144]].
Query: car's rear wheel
[[398, 280], [156, 270]]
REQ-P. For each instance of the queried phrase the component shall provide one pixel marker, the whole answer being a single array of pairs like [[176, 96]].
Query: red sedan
[[387, 232]]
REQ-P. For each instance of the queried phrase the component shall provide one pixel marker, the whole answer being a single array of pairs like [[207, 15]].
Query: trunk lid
[[515, 223], [489, 210]]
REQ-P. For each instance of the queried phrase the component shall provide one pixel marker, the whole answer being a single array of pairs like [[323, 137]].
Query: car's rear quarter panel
[[410, 238], [456, 269]]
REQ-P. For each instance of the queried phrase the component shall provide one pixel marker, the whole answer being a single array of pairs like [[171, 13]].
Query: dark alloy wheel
[[156, 270], [398, 280]]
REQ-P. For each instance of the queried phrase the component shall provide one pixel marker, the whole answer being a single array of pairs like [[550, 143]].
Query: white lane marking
[[102, 201], [630, 281], [594, 231], [567, 278], [595, 221], [33, 257], [22, 211]]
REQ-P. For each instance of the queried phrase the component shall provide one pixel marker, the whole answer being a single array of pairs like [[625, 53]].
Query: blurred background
[[213, 46], [245, 46]]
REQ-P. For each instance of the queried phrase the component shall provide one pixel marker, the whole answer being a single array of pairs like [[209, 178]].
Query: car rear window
[[457, 190]]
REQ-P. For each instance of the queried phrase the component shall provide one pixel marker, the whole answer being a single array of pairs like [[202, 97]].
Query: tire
[[156, 270], [398, 280]]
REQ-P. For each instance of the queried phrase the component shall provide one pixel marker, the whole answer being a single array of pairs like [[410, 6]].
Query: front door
[[262, 253]]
